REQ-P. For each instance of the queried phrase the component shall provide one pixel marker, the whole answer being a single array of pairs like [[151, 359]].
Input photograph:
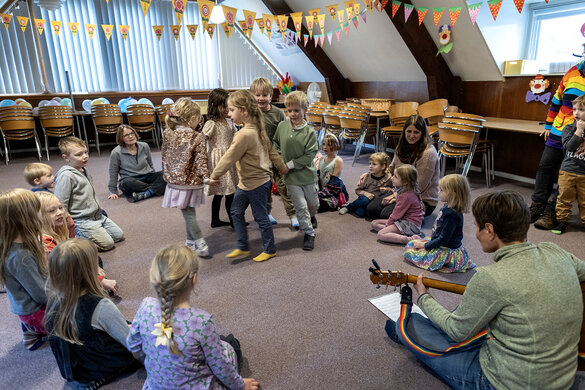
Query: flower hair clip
[[163, 334]]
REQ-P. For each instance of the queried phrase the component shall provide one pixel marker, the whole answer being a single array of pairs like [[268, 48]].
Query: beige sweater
[[251, 160]]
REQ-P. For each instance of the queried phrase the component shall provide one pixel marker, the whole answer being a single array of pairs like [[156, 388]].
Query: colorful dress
[[206, 362], [219, 136]]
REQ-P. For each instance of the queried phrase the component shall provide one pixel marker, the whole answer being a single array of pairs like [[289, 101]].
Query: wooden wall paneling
[[400, 90], [482, 97]]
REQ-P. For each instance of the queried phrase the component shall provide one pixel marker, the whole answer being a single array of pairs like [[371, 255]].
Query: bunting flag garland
[[332, 9], [205, 8], [90, 28], [322, 23], [337, 32], [268, 21], [40, 23], [192, 30], [321, 40], [176, 30], [454, 14], [6, 18], [329, 36], [407, 11], [314, 12], [124, 30], [364, 17], [355, 19], [349, 9], [281, 21], [230, 18], [249, 16], [309, 20], [316, 40], [395, 6], [226, 29], [305, 39], [23, 22], [56, 26], [74, 27], [179, 7], [346, 28], [369, 5], [340, 16], [519, 5], [158, 30], [437, 13], [473, 11], [260, 23], [244, 26], [383, 4], [107, 30], [422, 11], [297, 18], [210, 30], [145, 4], [495, 7]]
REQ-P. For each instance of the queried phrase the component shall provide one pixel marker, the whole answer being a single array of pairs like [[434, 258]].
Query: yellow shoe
[[237, 253], [264, 256]]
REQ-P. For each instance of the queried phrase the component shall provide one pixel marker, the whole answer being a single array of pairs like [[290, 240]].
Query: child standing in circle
[[180, 342], [407, 217], [184, 162], [219, 131], [444, 251], [251, 152]]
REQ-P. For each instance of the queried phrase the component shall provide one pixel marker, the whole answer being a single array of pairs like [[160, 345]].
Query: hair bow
[[163, 334], [544, 98]]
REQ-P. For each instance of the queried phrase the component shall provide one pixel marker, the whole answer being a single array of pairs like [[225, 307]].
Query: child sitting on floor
[[444, 251], [332, 193], [40, 177]]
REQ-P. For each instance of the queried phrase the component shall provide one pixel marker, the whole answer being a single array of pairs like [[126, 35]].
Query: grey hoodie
[[75, 190]]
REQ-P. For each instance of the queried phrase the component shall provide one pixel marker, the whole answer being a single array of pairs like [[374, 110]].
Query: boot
[[536, 210], [547, 220], [308, 242]]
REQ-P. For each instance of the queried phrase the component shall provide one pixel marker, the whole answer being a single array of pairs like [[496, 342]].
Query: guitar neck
[[439, 284]]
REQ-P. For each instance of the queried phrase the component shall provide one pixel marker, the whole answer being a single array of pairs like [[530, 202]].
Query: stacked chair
[[142, 118], [331, 119], [106, 119], [398, 113], [161, 113], [433, 112], [56, 121], [354, 124], [314, 117], [17, 124]]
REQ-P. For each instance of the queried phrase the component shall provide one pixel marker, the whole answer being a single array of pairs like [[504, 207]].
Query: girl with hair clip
[[406, 220], [87, 331], [219, 131], [183, 349], [23, 262], [332, 192], [251, 152], [184, 162], [444, 251]]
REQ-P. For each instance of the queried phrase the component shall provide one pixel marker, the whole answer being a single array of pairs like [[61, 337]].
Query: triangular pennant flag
[[205, 8], [369, 5], [321, 18], [407, 11], [244, 26], [332, 9], [309, 20], [249, 16], [349, 9], [422, 11], [260, 23], [56, 26], [340, 16], [321, 40], [74, 27], [316, 40], [210, 30], [226, 29], [22, 22], [495, 7], [314, 12], [192, 30], [268, 22], [305, 39], [346, 28], [124, 30], [395, 6], [90, 28], [6, 18], [519, 5], [282, 21], [337, 32], [329, 36], [383, 4], [437, 13], [145, 4], [107, 30], [230, 18], [356, 11], [297, 18], [179, 7], [176, 30], [364, 18], [355, 19], [40, 23], [454, 14], [473, 11], [158, 30]]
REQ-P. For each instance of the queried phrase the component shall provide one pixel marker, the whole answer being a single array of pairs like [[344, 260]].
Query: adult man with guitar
[[519, 320]]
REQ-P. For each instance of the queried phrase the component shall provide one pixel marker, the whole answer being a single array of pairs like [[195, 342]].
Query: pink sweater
[[408, 207]]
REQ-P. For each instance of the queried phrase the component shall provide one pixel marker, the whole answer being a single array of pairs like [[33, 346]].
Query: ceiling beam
[[337, 85]]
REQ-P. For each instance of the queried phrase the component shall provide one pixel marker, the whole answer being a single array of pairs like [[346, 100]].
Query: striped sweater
[[560, 112]]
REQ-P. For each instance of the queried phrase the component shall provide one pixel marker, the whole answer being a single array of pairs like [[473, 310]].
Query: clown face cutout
[[444, 34], [538, 84]]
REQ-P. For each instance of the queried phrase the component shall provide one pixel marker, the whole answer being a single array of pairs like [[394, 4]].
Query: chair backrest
[[458, 134], [55, 117], [141, 115], [377, 104], [161, 111], [433, 110], [17, 124], [352, 121], [107, 117], [400, 112], [331, 115]]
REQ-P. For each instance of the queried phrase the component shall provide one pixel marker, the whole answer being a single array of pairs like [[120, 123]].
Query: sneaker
[[560, 228], [343, 210], [138, 196], [547, 221], [264, 256], [237, 253], [314, 222], [308, 242], [272, 220], [201, 248], [536, 210], [294, 222]]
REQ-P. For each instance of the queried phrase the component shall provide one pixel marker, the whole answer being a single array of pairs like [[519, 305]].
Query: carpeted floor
[[303, 318]]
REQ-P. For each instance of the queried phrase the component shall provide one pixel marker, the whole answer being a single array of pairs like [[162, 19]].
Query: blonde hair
[[19, 218], [73, 267], [58, 233], [409, 177], [263, 85], [331, 141], [181, 113], [458, 192], [171, 274], [34, 171], [381, 158], [68, 143], [580, 100], [244, 99], [120, 134], [297, 98]]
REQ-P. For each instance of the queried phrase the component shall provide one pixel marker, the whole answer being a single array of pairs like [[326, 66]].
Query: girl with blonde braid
[[181, 344]]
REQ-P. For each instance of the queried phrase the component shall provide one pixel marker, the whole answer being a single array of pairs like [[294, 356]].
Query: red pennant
[[519, 5], [422, 11], [495, 7], [383, 4], [395, 7], [454, 14]]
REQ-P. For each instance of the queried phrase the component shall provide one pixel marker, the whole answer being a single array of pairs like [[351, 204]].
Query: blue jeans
[[358, 206], [460, 369], [546, 175], [256, 198]]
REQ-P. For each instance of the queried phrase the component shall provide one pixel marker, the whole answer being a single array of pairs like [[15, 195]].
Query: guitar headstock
[[392, 278]]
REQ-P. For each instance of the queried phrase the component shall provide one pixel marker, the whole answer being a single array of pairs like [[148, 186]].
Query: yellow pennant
[[74, 27], [205, 8], [210, 30], [349, 9], [314, 12], [282, 21], [90, 28], [260, 23], [369, 5], [230, 17], [340, 16], [244, 26], [56, 27], [179, 7], [297, 18], [158, 30], [23, 22], [6, 18], [226, 29], [249, 16], [108, 30], [192, 30], [145, 4], [332, 10], [310, 23], [321, 19], [356, 10], [124, 30], [40, 23], [268, 22], [176, 31]]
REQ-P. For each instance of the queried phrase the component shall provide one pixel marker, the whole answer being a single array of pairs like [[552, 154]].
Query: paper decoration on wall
[[74, 27], [395, 6], [158, 30], [249, 16], [437, 13], [537, 86], [179, 7], [473, 11], [6, 18], [322, 23], [210, 30], [407, 11], [305, 39], [297, 18], [281, 21], [544, 98], [309, 20], [230, 18], [268, 22], [445, 39], [340, 16], [422, 11], [332, 10], [495, 7], [356, 12], [260, 23], [90, 28], [22, 22], [364, 16], [124, 29], [192, 28], [176, 30], [349, 10], [519, 5], [329, 36], [314, 13], [205, 8], [40, 23], [56, 26], [226, 29], [383, 4], [337, 33], [369, 5], [108, 30], [454, 14], [244, 26], [321, 40], [145, 4]]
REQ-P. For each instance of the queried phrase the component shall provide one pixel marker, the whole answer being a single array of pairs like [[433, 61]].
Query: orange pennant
[[56, 26], [192, 30], [495, 7], [90, 28], [108, 30], [23, 22], [40, 23], [176, 29], [437, 13], [519, 5], [74, 27], [158, 30]]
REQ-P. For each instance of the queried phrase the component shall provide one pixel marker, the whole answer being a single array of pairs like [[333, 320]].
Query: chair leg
[[40, 153], [5, 141], [97, 142]]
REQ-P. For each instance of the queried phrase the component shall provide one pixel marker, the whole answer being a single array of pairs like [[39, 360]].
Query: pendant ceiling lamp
[[50, 5]]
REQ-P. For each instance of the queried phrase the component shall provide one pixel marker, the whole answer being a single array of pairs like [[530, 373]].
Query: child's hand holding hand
[[251, 384]]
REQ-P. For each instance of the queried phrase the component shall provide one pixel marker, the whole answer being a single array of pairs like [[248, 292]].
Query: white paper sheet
[[389, 304]]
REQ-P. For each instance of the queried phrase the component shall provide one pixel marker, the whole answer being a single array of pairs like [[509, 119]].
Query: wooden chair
[[17, 124], [56, 121], [331, 120], [142, 118], [371, 128], [398, 113], [457, 141], [106, 119], [161, 113], [314, 117], [433, 112], [353, 128]]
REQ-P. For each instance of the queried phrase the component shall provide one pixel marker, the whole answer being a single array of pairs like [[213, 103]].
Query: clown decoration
[[537, 87], [445, 38]]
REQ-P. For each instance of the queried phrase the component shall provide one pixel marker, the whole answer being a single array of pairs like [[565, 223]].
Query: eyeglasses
[[129, 135]]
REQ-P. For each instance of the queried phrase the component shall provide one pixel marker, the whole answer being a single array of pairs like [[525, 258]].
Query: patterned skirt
[[442, 259], [181, 199]]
